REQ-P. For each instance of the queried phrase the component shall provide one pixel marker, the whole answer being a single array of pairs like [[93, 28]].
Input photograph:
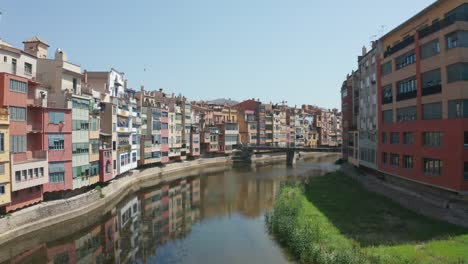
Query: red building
[[29, 159], [57, 137], [422, 90], [347, 112], [105, 165]]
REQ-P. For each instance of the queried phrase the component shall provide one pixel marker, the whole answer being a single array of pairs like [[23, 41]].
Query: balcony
[[4, 116], [397, 47], [34, 128], [434, 89], [406, 96], [437, 26], [387, 100], [29, 169], [123, 111]]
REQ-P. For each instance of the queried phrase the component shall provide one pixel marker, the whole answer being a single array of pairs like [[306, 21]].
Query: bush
[[306, 233]]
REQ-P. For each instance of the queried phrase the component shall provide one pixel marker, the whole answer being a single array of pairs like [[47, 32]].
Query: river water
[[210, 217]]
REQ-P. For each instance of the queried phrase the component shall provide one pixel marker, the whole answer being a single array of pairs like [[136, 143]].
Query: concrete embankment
[[96, 203], [439, 206]]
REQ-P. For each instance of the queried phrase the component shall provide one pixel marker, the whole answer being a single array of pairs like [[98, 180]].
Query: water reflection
[[206, 218]]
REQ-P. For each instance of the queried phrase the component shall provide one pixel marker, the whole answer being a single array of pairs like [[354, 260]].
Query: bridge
[[291, 152]]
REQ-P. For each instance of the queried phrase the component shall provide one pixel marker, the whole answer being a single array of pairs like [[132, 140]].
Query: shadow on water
[[371, 219]]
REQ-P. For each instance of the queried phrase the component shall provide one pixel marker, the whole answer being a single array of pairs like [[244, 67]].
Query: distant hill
[[222, 101]]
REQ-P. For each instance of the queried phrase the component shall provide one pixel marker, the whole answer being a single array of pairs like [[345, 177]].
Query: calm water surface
[[206, 218]]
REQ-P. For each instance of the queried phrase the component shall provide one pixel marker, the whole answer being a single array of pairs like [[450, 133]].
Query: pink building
[[105, 165], [194, 142], [29, 159], [57, 137]]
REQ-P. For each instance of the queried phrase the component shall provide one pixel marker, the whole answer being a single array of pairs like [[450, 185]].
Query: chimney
[[142, 88], [364, 50], [161, 89], [60, 55]]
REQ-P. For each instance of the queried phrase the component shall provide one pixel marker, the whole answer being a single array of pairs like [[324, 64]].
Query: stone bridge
[[245, 152]]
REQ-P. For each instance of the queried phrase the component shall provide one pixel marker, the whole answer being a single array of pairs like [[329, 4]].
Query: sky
[[297, 51]]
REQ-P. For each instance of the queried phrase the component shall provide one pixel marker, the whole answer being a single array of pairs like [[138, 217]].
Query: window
[[432, 111], [5, 59], [80, 104], [134, 157], [94, 145], [2, 142], [387, 116], [406, 89], [164, 126], [405, 60], [386, 68], [430, 49], [384, 137], [432, 166], [394, 138], [406, 114], [18, 144], [56, 142], [80, 148], [17, 113], [387, 95], [56, 117], [457, 39], [465, 171], [24, 175], [432, 139], [431, 82], [394, 159], [17, 86], [75, 85], [56, 172], [465, 139], [457, 72], [408, 138], [408, 162], [28, 68], [18, 176], [384, 157], [457, 108], [2, 189], [41, 172], [165, 140]]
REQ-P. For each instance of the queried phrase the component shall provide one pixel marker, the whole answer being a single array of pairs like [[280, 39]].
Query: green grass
[[333, 219]]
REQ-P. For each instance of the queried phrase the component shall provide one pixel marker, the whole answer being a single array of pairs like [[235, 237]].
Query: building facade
[[421, 91]]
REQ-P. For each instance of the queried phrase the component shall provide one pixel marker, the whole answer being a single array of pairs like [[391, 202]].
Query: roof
[[36, 39], [421, 13]]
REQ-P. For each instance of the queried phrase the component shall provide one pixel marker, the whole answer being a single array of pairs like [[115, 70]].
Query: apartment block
[[421, 90], [367, 120]]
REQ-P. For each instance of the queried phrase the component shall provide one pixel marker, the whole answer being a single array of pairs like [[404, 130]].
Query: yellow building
[[5, 184]]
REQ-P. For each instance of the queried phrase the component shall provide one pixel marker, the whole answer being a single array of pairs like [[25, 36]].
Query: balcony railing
[[29, 156], [403, 44], [406, 96], [434, 89], [387, 100], [436, 26]]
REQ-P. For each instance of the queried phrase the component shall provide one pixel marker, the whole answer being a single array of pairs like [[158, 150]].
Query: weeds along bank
[[332, 219]]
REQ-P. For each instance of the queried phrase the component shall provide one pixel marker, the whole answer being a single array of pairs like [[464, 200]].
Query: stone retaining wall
[[438, 207]]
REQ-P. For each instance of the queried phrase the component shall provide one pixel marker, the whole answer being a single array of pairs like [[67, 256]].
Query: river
[[211, 217]]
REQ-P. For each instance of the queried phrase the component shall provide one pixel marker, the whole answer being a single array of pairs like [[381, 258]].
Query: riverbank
[[333, 219], [94, 204], [97, 202]]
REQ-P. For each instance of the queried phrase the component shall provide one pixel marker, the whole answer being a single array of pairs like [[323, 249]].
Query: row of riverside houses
[[64, 130], [404, 111]]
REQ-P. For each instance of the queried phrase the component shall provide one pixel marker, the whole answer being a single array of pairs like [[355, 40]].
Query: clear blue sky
[[293, 50]]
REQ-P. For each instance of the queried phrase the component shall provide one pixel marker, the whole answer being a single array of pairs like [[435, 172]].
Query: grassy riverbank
[[332, 219]]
